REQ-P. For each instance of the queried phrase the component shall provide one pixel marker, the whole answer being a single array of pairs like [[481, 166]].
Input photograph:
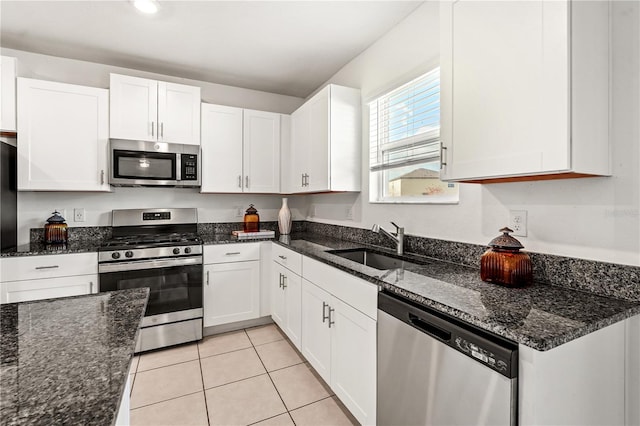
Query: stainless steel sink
[[369, 258]]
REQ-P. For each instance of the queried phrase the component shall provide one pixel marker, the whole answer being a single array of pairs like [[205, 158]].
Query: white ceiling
[[286, 47]]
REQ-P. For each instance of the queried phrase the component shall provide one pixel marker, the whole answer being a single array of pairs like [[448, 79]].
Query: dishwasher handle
[[429, 328]]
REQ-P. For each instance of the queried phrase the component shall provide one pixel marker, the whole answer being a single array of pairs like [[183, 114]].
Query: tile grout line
[[164, 400], [272, 382], [204, 393]]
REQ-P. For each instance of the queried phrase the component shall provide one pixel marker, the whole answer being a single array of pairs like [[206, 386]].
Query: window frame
[[378, 179]]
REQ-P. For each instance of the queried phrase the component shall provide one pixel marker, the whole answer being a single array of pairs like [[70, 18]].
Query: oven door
[[143, 168], [175, 286]]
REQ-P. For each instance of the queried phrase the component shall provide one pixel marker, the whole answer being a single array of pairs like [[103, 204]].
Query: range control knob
[[176, 250], [128, 253], [187, 250], [115, 255]]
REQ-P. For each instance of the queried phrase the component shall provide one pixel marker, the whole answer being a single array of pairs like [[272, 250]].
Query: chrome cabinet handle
[[280, 283], [331, 321], [152, 128], [239, 181], [246, 181], [282, 257], [101, 177], [90, 287], [207, 277], [325, 317], [306, 179], [162, 130], [284, 282], [232, 253], [302, 179], [47, 267]]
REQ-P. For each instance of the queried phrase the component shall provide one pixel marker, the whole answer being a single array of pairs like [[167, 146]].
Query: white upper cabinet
[[63, 134], [524, 90], [221, 149], [150, 110], [7, 94], [240, 150], [261, 155], [325, 151]]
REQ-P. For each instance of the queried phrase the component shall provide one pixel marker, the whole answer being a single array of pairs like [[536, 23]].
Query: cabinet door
[[8, 94], [318, 144], [178, 113], [221, 149], [353, 360], [316, 334], [23, 291], [504, 88], [293, 307], [134, 108], [231, 292], [278, 298], [62, 137], [299, 145], [261, 151]]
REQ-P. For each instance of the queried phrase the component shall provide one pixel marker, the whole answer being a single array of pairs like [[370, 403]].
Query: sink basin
[[369, 258]]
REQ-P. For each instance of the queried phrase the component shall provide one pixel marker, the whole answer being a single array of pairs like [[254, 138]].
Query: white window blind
[[405, 124]]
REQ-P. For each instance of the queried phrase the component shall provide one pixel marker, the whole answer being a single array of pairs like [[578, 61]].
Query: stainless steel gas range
[[159, 249]]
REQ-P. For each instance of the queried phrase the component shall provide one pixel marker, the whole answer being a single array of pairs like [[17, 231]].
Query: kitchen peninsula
[[66, 360]]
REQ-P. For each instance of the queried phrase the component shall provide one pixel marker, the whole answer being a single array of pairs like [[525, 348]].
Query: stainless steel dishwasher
[[436, 370]]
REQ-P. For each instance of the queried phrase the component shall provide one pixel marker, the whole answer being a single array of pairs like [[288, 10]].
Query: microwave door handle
[[178, 167]]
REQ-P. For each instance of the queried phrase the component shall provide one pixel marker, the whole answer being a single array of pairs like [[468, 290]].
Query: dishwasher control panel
[[482, 354]]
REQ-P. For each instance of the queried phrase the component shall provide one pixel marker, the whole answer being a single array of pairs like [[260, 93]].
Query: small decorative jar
[[251, 220], [55, 230], [504, 263]]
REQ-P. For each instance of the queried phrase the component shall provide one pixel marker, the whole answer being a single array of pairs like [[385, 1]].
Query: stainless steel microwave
[[139, 163]]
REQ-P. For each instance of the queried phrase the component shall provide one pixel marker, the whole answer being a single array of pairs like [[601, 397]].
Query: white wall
[[35, 207], [592, 218]]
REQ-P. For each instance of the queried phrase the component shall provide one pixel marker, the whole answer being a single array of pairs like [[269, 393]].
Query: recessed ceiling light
[[146, 6]]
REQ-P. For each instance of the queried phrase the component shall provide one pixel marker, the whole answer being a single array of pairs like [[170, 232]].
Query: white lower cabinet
[[43, 277], [338, 340], [286, 288], [24, 291], [232, 283]]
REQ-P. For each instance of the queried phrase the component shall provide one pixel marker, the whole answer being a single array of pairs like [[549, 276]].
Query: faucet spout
[[398, 238]]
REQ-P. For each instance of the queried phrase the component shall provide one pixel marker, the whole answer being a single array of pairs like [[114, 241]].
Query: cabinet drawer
[[50, 266], [354, 291], [287, 258], [225, 253], [24, 291]]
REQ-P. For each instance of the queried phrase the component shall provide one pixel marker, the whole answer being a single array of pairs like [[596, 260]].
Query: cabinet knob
[[152, 128]]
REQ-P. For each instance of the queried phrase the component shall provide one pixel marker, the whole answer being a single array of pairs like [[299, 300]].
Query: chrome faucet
[[398, 237]]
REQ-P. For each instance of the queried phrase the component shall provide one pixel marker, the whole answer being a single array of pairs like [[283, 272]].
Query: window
[[404, 132]]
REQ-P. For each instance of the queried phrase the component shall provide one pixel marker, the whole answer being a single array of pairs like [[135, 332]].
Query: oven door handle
[[148, 264]]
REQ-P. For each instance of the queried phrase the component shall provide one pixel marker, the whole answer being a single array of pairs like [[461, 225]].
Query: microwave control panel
[[189, 167]]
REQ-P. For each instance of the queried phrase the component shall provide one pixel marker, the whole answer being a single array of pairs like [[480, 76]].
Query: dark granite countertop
[[39, 249], [85, 246], [540, 316], [66, 361]]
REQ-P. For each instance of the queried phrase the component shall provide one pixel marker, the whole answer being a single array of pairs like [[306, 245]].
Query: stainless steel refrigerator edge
[[8, 196]]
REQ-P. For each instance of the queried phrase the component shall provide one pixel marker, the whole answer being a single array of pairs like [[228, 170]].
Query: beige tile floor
[[251, 376]]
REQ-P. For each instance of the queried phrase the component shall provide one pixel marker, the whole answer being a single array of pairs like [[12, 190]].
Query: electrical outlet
[[518, 222], [239, 211], [78, 215], [350, 213], [312, 210]]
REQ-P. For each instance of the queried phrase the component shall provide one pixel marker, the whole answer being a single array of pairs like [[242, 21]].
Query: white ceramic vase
[[284, 218]]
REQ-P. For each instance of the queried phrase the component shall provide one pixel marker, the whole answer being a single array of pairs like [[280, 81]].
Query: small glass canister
[[251, 220], [55, 230], [504, 263]]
